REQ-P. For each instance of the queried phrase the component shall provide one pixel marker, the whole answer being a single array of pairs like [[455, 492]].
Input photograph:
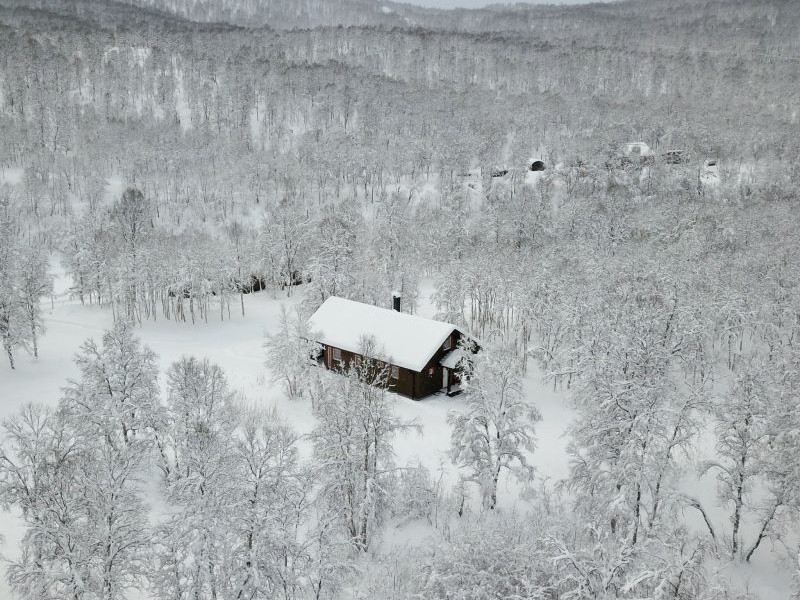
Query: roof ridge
[[391, 310], [406, 340]]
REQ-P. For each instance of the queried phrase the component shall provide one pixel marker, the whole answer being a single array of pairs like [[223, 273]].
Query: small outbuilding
[[676, 157], [423, 355], [636, 149], [710, 169], [537, 165]]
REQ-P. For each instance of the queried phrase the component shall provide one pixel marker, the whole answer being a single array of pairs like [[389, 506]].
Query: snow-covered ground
[[11, 175]]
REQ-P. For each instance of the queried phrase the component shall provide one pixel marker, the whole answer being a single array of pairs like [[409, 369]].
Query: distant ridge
[[286, 14], [303, 14]]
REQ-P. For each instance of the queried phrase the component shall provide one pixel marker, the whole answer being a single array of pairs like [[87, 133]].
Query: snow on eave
[[403, 340], [453, 358]]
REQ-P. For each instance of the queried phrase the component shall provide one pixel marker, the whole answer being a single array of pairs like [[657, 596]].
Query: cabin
[[423, 355], [636, 153], [636, 150]]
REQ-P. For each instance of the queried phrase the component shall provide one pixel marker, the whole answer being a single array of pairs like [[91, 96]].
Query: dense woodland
[[177, 156]]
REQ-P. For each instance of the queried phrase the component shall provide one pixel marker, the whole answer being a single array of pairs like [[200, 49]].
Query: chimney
[[396, 301]]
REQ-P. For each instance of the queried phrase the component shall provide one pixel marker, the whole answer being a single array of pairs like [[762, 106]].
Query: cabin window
[[395, 372], [447, 344], [337, 355]]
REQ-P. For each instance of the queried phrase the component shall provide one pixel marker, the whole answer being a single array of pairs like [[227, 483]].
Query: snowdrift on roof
[[406, 340]]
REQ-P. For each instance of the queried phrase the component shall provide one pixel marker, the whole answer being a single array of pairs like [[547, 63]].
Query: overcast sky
[[479, 3]]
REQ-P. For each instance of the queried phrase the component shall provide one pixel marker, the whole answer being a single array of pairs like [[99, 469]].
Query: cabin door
[[445, 378]]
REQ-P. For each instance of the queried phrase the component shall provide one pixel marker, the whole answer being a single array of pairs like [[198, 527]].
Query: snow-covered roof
[[452, 358], [638, 148], [405, 340]]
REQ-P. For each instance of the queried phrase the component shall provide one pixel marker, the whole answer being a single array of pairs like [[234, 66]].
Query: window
[[337, 355], [447, 344], [395, 372]]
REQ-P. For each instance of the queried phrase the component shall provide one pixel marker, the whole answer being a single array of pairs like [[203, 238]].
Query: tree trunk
[[762, 532], [637, 509], [34, 341], [737, 513], [10, 354]]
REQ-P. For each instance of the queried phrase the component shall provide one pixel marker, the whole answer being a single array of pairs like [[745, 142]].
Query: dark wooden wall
[[429, 380], [409, 383], [403, 385]]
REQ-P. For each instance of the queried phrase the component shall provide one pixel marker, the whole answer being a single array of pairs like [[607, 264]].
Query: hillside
[[605, 196]]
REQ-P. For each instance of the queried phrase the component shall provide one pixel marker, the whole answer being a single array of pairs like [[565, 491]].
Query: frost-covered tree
[[194, 546], [114, 407], [89, 254], [239, 497], [117, 527], [353, 438], [131, 217], [591, 563], [35, 282], [269, 518], [76, 473], [333, 265], [13, 331], [290, 352], [742, 443], [24, 280], [244, 255], [283, 240], [388, 260], [330, 566], [117, 392], [638, 407], [779, 505], [201, 416], [756, 463], [41, 468], [495, 432]]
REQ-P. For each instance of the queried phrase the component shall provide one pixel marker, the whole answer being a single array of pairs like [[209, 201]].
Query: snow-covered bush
[[487, 557], [419, 495]]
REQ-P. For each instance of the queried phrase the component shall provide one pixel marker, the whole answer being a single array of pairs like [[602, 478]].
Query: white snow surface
[[451, 359], [404, 340], [11, 175]]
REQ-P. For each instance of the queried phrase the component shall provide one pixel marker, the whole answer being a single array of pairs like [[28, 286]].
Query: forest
[[605, 195]]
